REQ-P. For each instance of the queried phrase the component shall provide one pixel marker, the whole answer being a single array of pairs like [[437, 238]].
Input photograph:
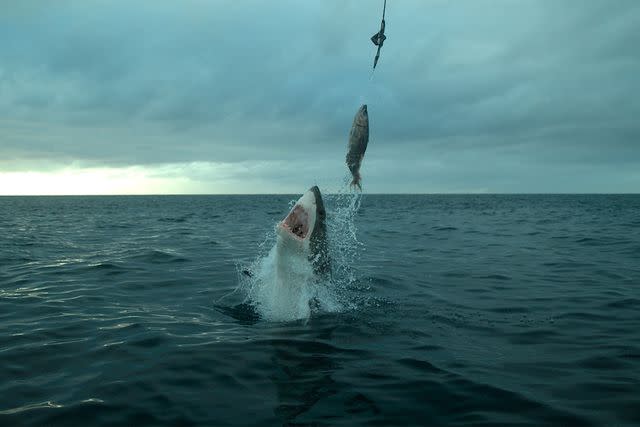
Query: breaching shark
[[302, 234], [298, 267]]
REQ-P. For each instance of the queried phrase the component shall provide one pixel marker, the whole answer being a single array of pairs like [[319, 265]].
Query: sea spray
[[344, 244]]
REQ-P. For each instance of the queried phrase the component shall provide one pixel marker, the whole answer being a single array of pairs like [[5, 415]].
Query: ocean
[[445, 310]]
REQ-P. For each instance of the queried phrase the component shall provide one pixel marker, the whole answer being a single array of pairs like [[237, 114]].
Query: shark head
[[304, 230]]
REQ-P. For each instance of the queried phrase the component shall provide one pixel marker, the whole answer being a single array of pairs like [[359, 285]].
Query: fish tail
[[356, 181]]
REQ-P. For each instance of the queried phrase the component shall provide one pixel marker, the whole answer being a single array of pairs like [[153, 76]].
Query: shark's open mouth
[[302, 235], [297, 222]]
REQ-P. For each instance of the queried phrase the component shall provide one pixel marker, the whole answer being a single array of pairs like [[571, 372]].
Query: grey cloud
[[538, 81]]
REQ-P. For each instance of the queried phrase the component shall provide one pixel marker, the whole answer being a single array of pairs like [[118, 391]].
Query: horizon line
[[293, 194]]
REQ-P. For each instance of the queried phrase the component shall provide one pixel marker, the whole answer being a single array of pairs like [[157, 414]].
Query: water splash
[[280, 283], [341, 226]]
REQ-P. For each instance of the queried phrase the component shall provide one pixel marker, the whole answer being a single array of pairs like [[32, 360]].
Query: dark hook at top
[[379, 37]]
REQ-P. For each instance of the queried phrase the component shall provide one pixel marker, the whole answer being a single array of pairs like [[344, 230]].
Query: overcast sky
[[244, 96]]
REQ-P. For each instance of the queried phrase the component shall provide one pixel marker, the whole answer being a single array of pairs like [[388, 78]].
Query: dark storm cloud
[[474, 86]]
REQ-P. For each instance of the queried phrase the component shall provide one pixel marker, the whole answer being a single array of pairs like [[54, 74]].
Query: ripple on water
[[462, 310], [156, 256]]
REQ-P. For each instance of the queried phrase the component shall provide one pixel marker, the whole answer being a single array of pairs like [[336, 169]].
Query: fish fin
[[356, 181]]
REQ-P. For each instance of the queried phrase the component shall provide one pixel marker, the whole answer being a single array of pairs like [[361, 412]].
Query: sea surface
[[451, 310]]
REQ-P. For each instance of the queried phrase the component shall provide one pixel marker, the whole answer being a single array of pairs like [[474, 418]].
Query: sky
[[252, 96]]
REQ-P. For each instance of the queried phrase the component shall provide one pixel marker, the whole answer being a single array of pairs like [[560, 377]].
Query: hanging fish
[[379, 37], [358, 140]]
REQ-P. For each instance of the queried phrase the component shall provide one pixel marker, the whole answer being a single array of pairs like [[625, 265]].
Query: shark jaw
[[303, 231], [300, 223]]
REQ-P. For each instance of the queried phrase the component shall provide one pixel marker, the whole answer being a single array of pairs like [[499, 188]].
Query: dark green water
[[463, 311]]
